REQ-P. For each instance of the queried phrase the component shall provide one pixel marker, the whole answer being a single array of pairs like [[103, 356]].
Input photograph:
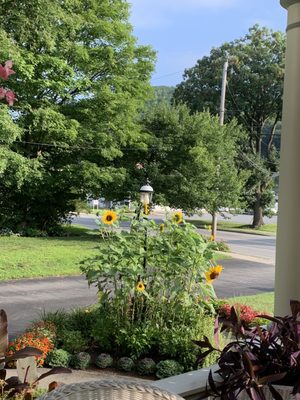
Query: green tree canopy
[[191, 159], [254, 98], [80, 80]]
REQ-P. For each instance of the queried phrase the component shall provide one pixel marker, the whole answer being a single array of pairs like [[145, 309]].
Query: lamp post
[[146, 193]]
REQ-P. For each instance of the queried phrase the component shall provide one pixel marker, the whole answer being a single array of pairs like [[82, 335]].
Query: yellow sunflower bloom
[[162, 228], [212, 238], [109, 217], [140, 287], [213, 273], [177, 217]]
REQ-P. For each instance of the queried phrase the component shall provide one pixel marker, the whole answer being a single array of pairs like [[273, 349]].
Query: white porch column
[[287, 273]]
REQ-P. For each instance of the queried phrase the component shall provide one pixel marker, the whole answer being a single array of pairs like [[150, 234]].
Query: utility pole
[[221, 120]]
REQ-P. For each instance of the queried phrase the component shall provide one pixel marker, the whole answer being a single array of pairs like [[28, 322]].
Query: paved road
[[240, 243], [243, 277], [25, 300]]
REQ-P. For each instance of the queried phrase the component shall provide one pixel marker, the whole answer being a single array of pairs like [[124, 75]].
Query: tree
[[190, 159], [254, 98], [81, 81]]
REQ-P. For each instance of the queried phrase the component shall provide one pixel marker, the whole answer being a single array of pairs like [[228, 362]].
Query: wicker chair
[[109, 390]]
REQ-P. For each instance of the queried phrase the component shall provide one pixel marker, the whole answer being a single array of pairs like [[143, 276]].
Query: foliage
[[82, 81], [125, 364], [147, 280], [219, 246], [258, 356], [72, 341], [80, 360], [190, 159], [146, 366], [12, 387], [104, 360], [153, 290], [168, 368], [247, 315], [37, 339], [162, 94], [254, 98], [58, 358]]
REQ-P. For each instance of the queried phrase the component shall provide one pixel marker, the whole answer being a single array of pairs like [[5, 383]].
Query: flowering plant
[[33, 339], [5, 72], [246, 313], [152, 280]]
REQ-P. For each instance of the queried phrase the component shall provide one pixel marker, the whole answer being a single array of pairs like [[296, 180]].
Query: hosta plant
[[258, 358]]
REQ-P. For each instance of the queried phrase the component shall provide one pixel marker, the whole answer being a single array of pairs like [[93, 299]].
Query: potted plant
[[256, 359]]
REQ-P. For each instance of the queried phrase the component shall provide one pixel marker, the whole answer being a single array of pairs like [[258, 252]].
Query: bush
[[146, 366], [80, 360], [35, 339], [168, 368], [58, 358], [125, 364], [60, 319], [73, 342], [104, 360], [219, 246], [82, 320]]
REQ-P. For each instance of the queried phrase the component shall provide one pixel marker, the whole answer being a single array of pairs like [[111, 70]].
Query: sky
[[183, 31]]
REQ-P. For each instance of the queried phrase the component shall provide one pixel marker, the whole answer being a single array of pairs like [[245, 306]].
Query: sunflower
[[109, 217], [140, 287], [162, 228], [213, 273], [177, 217], [212, 238]]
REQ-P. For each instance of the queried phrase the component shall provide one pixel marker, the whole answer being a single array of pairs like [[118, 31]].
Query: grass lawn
[[237, 227], [260, 302], [22, 257]]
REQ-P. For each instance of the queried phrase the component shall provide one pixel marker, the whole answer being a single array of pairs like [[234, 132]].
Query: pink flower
[[10, 97], [2, 93], [6, 70]]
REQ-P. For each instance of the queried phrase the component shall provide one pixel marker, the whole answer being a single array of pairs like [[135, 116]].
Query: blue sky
[[182, 31]]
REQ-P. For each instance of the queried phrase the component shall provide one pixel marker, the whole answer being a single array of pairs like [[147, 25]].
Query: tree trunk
[[214, 226], [258, 220]]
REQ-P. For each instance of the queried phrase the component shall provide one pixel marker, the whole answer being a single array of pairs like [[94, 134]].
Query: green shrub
[[105, 327], [146, 366], [219, 246], [72, 341], [58, 358], [168, 368], [125, 364], [104, 360], [137, 340], [82, 320], [80, 360], [59, 318]]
